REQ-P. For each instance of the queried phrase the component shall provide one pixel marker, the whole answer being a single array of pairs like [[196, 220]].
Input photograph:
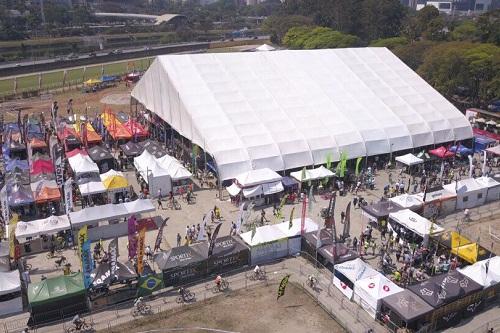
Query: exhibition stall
[[312, 174], [409, 160], [102, 157], [181, 264], [229, 253], [11, 300], [405, 310], [417, 228], [347, 273], [469, 192], [408, 201], [437, 201]]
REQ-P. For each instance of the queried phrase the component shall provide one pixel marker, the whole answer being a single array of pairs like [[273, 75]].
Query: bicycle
[[186, 297], [223, 286], [174, 204], [312, 282], [55, 254], [84, 327], [142, 309], [259, 276]]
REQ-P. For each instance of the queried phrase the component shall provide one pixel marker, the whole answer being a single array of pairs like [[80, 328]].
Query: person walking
[[263, 217], [179, 239], [160, 205]]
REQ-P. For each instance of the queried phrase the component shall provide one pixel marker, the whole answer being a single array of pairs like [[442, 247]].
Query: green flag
[[282, 287], [329, 161], [343, 164], [339, 165], [290, 223], [149, 284], [358, 162]]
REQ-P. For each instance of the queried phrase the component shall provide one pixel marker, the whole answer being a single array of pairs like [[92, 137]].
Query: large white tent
[[485, 272], [415, 223], [409, 159], [49, 226], [289, 109], [10, 292], [347, 273], [370, 291]]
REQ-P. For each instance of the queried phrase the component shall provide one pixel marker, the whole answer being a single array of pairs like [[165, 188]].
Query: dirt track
[[252, 311]]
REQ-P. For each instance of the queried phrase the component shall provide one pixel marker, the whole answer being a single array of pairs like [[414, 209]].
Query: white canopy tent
[[292, 108], [173, 167], [469, 192], [92, 187], [415, 223], [485, 272], [493, 188], [92, 215], [313, 174], [369, 292], [408, 201], [294, 232], [233, 190], [49, 226], [409, 160], [256, 177], [265, 47], [81, 164], [347, 273], [268, 243], [10, 283]]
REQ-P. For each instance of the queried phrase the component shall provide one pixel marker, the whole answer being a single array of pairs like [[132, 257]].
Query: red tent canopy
[[118, 132], [65, 132], [75, 152], [37, 143], [441, 152], [136, 128], [487, 134], [42, 166]]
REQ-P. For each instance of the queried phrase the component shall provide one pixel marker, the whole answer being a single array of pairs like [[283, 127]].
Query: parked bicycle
[[141, 308], [82, 326], [220, 287], [185, 296]]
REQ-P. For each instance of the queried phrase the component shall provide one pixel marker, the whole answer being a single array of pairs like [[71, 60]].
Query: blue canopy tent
[[109, 78], [16, 163], [482, 142], [34, 131], [12, 127], [19, 195], [461, 150]]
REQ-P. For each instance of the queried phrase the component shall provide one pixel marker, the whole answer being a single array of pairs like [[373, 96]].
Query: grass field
[[53, 80]]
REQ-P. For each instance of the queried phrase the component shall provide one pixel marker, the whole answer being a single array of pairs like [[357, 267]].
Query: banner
[[140, 252], [484, 163], [159, 237], [12, 234], [82, 238], [212, 241], [329, 161], [358, 162], [471, 166], [441, 170], [347, 222], [113, 255], [311, 199], [29, 151], [319, 243], [4, 201], [303, 217], [59, 164], [68, 195], [343, 164], [149, 284], [87, 263], [202, 233], [279, 214], [282, 286], [290, 223], [239, 218], [132, 238], [246, 215]]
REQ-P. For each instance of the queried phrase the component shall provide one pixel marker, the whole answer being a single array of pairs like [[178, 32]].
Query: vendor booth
[[312, 174], [91, 188], [347, 273], [482, 142], [102, 277], [137, 130], [56, 298], [369, 292], [42, 166], [379, 211], [11, 300], [32, 234], [102, 157], [332, 254], [417, 229], [13, 164], [408, 201], [486, 273], [153, 174], [229, 253], [115, 184], [92, 136], [269, 243], [323, 250], [461, 150], [493, 192], [471, 253], [469, 192], [437, 201], [179, 175], [47, 196], [83, 166], [449, 294], [294, 233], [258, 185], [405, 310], [20, 199], [153, 147], [409, 160], [442, 152], [67, 135], [181, 265], [131, 149]]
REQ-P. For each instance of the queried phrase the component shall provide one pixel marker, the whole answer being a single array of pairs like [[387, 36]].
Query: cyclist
[[77, 321], [257, 270], [311, 280], [218, 281], [138, 303]]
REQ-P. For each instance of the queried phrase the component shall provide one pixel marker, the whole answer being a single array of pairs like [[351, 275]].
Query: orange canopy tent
[[92, 135], [114, 127], [37, 143], [45, 191]]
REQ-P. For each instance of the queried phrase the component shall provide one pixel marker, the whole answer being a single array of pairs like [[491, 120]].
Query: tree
[[318, 38], [413, 54], [381, 19], [436, 30], [425, 16], [277, 26], [488, 26], [390, 43], [465, 31]]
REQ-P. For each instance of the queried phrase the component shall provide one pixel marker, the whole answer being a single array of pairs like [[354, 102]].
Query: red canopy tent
[[119, 132], [66, 132], [42, 166], [136, 128], [75, 152], [442, 152]]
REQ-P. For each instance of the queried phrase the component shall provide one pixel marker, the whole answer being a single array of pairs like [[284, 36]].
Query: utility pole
[[42, 12]]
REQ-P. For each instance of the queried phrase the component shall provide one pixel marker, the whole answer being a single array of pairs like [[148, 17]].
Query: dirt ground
[[252, 311]]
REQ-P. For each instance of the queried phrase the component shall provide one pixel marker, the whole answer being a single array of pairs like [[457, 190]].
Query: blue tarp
[[16, 163], [482, 142], [19, 195], [461, 150], [34, 131], [109, 78]]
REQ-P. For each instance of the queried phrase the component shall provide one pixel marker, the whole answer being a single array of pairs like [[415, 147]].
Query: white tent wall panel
[[14, 305], [493, 194], [366, 99], [269, 251]]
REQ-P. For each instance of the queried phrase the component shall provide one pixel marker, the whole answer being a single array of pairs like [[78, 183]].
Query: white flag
[[239, 218], [68, 195], [470, 166], [201, 234], [484, 163]]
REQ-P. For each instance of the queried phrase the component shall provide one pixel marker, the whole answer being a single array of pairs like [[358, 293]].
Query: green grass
[[51, 80]]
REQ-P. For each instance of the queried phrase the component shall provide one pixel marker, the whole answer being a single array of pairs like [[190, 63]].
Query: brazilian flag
[[149, 284]]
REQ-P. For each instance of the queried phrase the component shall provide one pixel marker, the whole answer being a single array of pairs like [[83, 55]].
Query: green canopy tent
[[56, 298]]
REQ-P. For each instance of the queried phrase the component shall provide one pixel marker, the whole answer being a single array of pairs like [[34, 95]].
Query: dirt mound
[[116, 99]]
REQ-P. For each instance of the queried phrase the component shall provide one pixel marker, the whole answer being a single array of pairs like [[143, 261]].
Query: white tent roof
[[487, 182], [439, 194], [292, 108], [312, 174], [409, 159], [265, 47], [374, 288], [464, 186], [309, 226], [255, 177], [233, 190], [407, 201], [144, 162], [94, 214], [9, 282], [82, 164], [494, 150], [91, 188], [271, 188], [477, 271], [166, 165], [111, 173], [173, 167], [264, 234], [355, 270], [48, 226], [414, 222], [253, 191]]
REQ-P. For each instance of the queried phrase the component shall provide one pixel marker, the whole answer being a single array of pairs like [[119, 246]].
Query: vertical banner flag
[[12, 234], [59, 164], [68, 195], [343, 164], [282, 286], [279, 215], [484, 163], [347, 221], [311, 199], [29, 151], [82, 238], [132, 238], [212, 241], [202, 233], [5, 205], [470, 166], [113, 256], [358, 162], [319, 243], [441, 170], [328, 161], [140, 252], [290, 223], [159, 237], [246, 215], [239, 218], [87, 264], [303, 217]]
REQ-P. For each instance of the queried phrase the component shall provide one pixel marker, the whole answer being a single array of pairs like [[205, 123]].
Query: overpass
[[157, 19]]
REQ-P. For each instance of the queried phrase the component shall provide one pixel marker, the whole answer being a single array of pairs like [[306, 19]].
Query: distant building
[[450, 7]]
